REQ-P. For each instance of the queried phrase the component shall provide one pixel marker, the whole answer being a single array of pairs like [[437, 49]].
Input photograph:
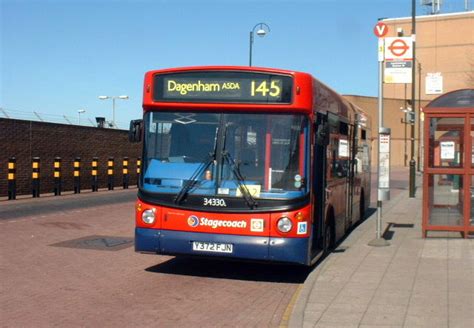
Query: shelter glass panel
[[472, 142], [471, 218], [446, 141], [446, 200]]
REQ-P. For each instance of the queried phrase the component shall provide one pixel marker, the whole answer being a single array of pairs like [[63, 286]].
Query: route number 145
[[261, 89]]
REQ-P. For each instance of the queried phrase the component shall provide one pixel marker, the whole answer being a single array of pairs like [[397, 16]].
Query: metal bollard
[[95, 180], [110, 173], [412, 188], [35, 177], [125, 172], [139, 165], [57, 176], [11, 178], [77, 175]]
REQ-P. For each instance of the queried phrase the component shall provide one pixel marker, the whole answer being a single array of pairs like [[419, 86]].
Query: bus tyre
[[328, 239]]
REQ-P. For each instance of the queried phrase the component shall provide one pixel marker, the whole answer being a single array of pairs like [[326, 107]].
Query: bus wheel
[[362, 207], [328, 239]]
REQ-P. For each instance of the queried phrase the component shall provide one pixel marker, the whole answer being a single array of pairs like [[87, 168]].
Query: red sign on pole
[[398, 47], [380, 30]]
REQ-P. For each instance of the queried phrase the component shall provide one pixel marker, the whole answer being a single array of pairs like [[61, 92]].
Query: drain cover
[[102, 243]]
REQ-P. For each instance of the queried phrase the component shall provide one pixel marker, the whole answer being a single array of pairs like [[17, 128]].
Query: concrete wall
[[27, 139]]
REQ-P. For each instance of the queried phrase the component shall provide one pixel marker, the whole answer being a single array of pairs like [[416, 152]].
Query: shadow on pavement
[[235, 270], [244, 270], [368, 214]]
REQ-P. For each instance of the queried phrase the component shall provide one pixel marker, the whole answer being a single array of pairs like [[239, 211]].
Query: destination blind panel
[[223, 87]]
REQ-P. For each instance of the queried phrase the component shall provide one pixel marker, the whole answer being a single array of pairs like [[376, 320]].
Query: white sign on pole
[[384, 164], [381, 49], [399, 48], [398, 54], [447, 149], [397, 71], [434, 83]]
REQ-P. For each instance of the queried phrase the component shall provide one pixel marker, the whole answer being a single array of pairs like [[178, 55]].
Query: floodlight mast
[[123, 97]]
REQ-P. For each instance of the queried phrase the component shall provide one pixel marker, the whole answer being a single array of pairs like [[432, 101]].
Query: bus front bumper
[[168, 242]]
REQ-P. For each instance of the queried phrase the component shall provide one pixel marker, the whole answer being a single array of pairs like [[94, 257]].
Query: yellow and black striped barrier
[[139, 165], [77, 175], [110, 173], [95, 178], [57, 176], [12, 178], [125, 172], [35, 177]]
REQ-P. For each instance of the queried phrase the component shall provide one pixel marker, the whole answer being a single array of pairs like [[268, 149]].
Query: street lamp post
[[123, 97], [261, 32], [79, 112]]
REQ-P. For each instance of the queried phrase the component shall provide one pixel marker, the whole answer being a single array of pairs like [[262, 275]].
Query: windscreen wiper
[[240, 180], [211, 157], [192, 180]]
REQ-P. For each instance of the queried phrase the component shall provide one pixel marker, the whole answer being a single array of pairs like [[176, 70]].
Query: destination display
[[226, 87]]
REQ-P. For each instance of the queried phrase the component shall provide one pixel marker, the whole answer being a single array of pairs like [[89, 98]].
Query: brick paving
[[414, 282], [45, 285]]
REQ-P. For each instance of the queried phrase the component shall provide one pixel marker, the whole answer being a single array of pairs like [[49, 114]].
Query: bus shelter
[[448, 178]]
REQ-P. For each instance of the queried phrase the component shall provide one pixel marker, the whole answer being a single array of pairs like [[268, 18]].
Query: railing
[[61, 119]]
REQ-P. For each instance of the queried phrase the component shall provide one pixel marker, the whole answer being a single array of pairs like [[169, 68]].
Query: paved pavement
[[414, 282], [69, 262]]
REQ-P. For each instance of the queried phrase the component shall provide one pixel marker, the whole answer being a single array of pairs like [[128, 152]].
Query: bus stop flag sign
[[380, 29], [398, 59]]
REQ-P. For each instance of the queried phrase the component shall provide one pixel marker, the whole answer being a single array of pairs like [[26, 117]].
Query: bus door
[[338, 164], [351, 177], [319, 167]]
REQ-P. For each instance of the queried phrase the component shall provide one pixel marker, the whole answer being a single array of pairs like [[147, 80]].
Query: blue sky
[[58, 56]]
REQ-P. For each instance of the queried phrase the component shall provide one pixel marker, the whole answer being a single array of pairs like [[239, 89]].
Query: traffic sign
[[398, 48], [380, 30]]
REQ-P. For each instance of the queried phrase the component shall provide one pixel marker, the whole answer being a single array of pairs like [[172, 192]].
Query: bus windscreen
[[223, 87]]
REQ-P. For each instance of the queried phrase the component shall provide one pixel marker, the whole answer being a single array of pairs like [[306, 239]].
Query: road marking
[[285, 320]]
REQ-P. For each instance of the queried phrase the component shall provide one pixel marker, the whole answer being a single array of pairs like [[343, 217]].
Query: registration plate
[[202, 246]]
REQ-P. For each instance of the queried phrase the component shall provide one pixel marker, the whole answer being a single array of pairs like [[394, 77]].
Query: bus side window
[[341, 149]]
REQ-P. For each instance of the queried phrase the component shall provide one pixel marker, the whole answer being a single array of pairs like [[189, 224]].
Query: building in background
[[444, 62], [444, 53]]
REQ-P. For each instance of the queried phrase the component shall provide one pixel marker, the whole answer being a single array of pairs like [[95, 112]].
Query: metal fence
[[60, 119]]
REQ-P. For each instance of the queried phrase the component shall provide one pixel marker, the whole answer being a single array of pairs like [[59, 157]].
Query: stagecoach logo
[[194, 221], [256, 225]]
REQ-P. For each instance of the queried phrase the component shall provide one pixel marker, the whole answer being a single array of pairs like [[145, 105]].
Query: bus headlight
[[284, 224], [148, 216]]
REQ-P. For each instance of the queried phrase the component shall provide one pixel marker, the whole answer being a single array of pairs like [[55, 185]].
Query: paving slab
[[413, 282]]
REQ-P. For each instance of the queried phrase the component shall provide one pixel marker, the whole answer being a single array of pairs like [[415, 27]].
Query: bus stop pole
[[412, 123], [379, 240]]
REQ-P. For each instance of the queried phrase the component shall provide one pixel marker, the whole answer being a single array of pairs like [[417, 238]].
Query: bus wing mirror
[[322, 134], [135, 131]]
